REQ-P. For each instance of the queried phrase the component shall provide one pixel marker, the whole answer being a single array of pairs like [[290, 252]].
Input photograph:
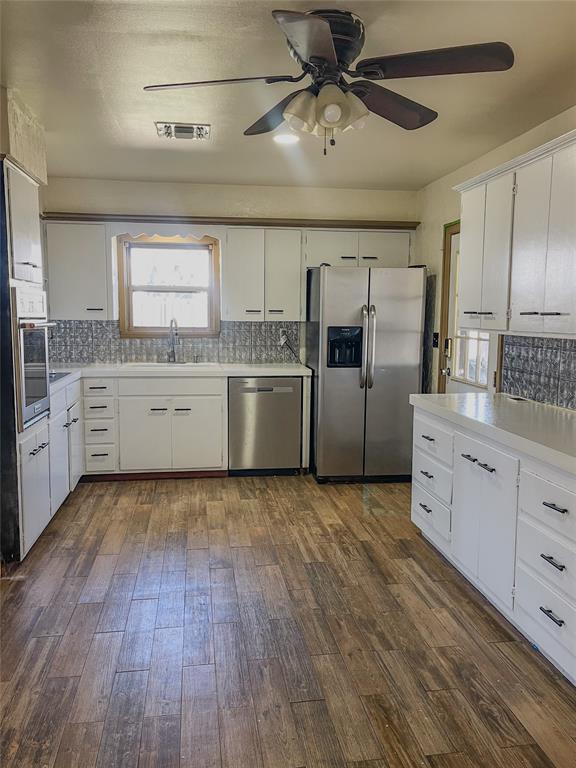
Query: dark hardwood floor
[[262, 623]]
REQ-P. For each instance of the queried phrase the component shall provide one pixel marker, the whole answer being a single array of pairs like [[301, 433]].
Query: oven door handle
[[30, 326]]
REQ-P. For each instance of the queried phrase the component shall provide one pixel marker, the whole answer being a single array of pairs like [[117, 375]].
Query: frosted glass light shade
[[300, 113], [332, 110]]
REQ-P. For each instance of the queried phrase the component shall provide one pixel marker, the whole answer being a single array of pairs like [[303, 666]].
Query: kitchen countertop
[[165, 370], [545, 432]]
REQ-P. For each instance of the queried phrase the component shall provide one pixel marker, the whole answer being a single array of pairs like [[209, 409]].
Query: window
[[165, 278], [471, 356]]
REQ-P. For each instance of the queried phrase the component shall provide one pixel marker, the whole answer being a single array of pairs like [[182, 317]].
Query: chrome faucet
[[173, 338]]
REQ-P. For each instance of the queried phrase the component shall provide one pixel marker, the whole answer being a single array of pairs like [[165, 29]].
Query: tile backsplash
[[540, 369], [98, 341]]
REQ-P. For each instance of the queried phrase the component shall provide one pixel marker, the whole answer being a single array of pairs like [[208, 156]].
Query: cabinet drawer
[[98, 407], [547, 609], [99, 387], [433, 439], [99, 431], [429, 511], [435, 477], [101, 458], [553, 560], [73, 392], [187, 385], [548, 503], [58, 402]]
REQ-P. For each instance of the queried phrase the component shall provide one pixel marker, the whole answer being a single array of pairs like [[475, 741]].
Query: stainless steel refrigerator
[[364, 343]]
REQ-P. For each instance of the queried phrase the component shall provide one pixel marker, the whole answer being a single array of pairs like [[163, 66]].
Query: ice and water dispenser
[[344, 346]]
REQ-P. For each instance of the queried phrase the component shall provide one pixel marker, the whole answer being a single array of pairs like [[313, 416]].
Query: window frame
[[126, 289]]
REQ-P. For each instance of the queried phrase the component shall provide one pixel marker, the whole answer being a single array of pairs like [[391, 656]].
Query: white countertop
[[544, 432], [165, 370]]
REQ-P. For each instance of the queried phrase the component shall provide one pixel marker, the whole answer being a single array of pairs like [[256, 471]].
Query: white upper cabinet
[[559, 311], [77, 279], [469, 301], [484, 269], [243, 275], [283, 248], [334, 247], [24, 227], [531, 218], [496, 257], [383, 249]]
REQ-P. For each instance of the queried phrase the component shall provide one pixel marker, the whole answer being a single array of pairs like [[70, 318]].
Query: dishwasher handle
[[257, 390]]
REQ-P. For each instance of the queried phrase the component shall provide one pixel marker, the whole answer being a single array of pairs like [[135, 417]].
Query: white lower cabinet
[[163, 433], [511, 529], [59, 467], [145, 433], [76, 462], [35, 484]]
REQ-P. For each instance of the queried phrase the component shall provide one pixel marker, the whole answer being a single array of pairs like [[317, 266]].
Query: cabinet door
[[76, 256], [59, 469], [497, 532], [497, 246], [336, 248], [469, 292], [24, 218], [466, 504], [384, 249], [145, 433], [529, 243], [197, 432], [282, 274], [75, 444], [243, 275], [560, 291], [35, 483]]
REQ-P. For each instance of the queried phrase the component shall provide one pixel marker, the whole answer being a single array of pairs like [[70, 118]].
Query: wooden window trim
[[125, 288]]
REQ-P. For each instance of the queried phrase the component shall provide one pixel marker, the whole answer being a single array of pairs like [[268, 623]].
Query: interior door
[[394, 369], [341, 398]]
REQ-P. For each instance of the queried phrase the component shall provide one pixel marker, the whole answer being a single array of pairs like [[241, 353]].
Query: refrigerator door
[[340, 402], [394, 367]]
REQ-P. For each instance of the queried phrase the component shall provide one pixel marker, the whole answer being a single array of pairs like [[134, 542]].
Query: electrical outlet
[[283, 336]]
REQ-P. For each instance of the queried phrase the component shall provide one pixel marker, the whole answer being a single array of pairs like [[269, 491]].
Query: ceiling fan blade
[[230, 81], [310, 36], [273, 118], [481, 57], [394, 107]]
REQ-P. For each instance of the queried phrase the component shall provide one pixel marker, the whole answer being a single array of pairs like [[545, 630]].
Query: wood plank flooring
[[262, 623]]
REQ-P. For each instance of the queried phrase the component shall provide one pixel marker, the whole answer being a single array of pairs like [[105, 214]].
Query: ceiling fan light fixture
[[359, 112], [300, 113], [332, 109]]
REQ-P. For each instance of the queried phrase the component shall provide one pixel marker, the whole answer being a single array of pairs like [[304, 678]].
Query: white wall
[[181, 199], [439, 204]]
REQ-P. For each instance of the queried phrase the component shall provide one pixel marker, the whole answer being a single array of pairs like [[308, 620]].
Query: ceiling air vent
[[197, 131]]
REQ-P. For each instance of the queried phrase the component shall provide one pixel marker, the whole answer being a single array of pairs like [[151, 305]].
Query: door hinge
[[509, 313], [513, 591], [515, 189], [517, 481]]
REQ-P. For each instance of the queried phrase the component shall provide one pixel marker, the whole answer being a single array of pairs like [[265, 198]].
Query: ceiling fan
[[325, 43]]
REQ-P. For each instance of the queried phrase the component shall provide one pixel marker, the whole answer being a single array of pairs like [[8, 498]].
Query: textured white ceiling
[[81, 66]]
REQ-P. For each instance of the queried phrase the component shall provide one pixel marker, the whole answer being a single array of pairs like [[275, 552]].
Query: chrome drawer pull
[[68, 424], [550, 560], [425, 508], [470, 312], [75, 420], [487, 467], [103, 387], [528, 313], [100, 429], [430, 439], [468, 457], [94, 455], [97, 407], [158, 409], [551, 314], [426, 474], [182, 409], [552, 616], [555, 507]]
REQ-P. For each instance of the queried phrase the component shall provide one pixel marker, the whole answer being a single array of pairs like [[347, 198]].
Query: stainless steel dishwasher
[[264, 423]]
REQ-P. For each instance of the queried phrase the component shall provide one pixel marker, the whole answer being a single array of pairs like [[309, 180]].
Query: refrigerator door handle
[[372, 360], [364, 346]]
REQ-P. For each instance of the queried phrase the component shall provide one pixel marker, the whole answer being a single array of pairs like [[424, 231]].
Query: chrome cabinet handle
[[68, 424], [484, 313], [425, 508], [487, 467], [551, 561], [29, 264], [34, 451], [364, 312], [555, 507], [426, 474], [468, 457], [102, 387], [369, 258], [428, 438], [42, 446], [552, 616]]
